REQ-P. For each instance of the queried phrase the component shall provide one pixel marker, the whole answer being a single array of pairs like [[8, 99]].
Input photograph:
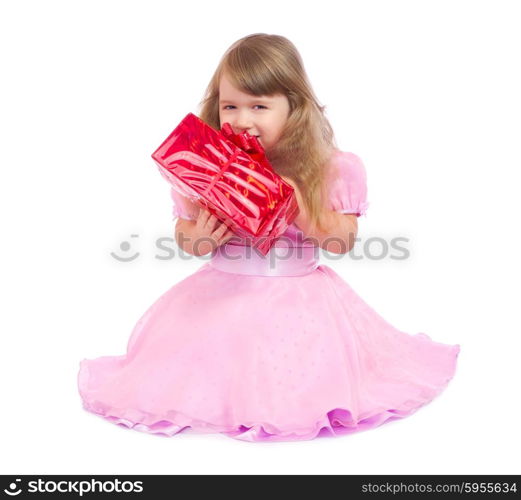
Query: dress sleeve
[[348, 185], [181, 206]]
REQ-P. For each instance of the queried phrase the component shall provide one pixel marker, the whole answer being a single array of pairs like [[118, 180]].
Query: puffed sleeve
[[348, 185], [181, 206]]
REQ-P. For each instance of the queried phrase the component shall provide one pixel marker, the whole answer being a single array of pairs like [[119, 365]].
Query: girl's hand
[[209, 233]]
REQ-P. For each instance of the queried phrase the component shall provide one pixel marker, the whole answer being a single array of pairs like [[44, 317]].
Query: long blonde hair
[[262, 64]]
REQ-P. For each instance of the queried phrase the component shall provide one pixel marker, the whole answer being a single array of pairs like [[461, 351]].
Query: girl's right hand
[[209, 233]]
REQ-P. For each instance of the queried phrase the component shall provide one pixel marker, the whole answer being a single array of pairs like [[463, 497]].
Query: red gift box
[[230, 176]]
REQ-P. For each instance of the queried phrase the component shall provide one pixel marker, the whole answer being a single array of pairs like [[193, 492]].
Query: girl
[[275, 347]]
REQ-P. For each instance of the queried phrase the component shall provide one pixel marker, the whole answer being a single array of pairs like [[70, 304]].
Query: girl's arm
[[344, 227], [340, 239]]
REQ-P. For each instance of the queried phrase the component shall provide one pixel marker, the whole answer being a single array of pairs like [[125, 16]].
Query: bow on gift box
[[248, 143]]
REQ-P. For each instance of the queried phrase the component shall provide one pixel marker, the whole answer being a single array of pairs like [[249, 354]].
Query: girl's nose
[[242, 123], [240, 130]]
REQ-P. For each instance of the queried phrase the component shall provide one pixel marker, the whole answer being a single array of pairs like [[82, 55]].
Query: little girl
[[275, 347]]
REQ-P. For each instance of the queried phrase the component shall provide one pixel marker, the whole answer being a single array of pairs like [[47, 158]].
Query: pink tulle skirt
[[264, 358]]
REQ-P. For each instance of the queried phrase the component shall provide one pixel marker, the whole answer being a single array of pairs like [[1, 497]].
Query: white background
[[425, 92]]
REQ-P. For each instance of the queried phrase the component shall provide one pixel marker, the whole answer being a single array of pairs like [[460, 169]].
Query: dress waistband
[[279, 261]]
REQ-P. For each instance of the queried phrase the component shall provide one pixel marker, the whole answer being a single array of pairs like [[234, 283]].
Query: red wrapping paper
[[230, 176]]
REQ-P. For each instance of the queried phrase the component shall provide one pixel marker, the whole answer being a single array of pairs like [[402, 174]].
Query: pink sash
[[279, 261]]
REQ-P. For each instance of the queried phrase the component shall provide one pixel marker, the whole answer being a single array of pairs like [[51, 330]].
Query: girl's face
[[263, 116]]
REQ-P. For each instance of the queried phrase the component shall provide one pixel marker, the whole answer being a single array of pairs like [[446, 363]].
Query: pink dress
[[274, 348]]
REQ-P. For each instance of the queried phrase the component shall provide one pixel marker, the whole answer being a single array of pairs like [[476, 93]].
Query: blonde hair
[[262, 64]]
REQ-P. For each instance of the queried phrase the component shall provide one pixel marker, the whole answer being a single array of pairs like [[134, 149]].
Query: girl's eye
[[257, 105]]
